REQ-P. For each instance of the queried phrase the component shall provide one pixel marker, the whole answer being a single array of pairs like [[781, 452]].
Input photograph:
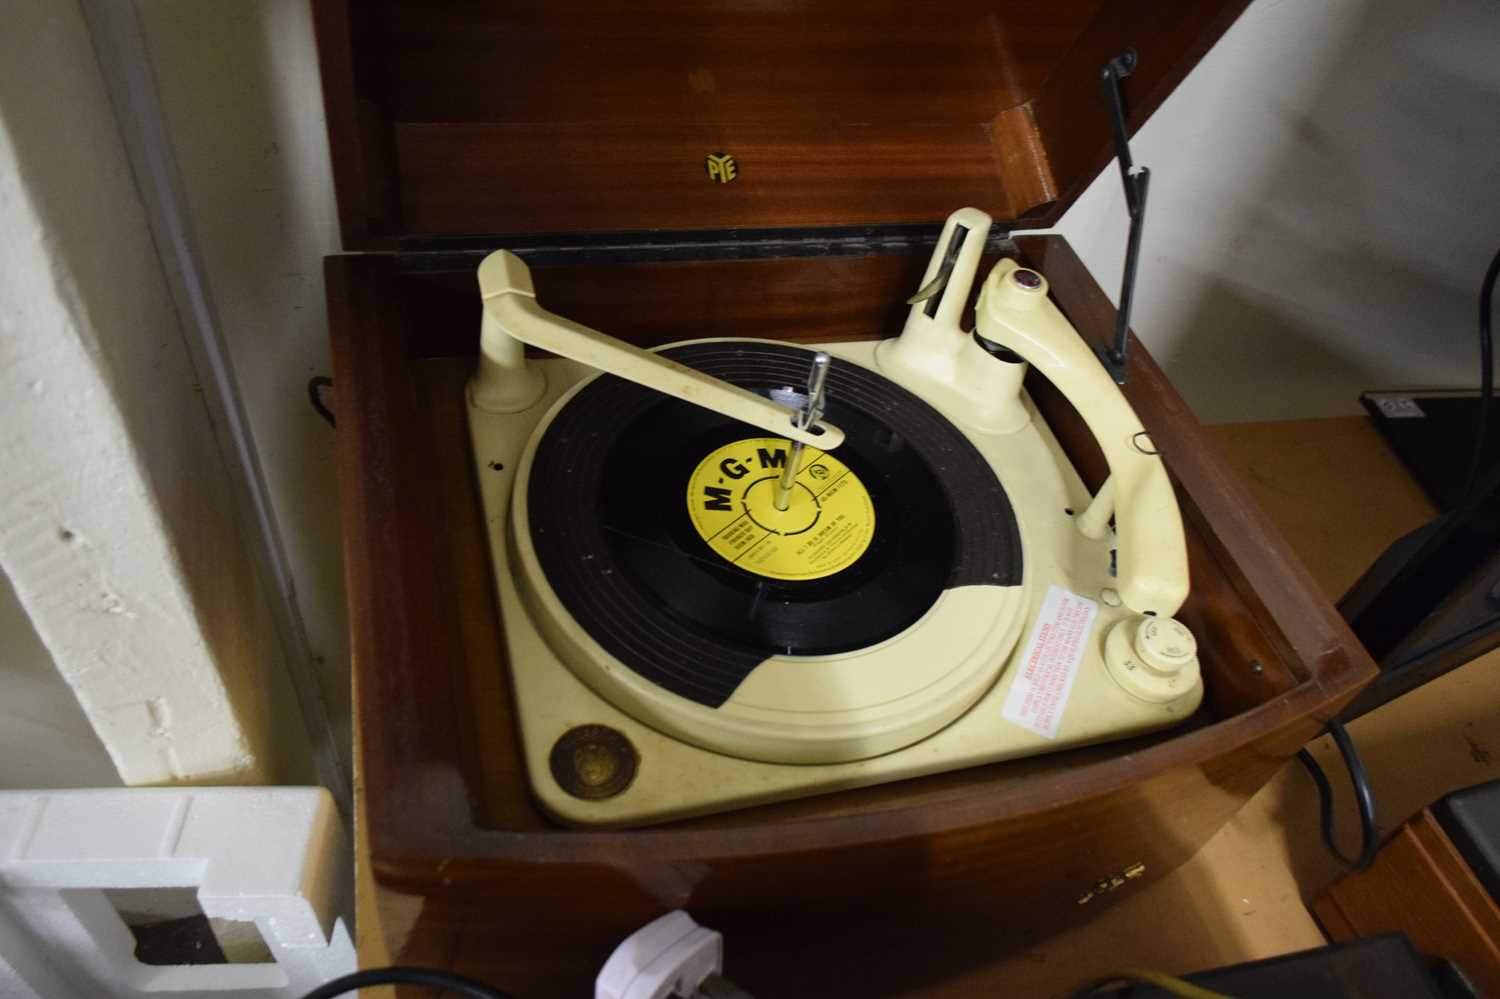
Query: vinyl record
[[652, 522]]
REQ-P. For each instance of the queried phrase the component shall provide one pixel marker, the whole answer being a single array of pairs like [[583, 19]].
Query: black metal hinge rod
[[1136, 180]]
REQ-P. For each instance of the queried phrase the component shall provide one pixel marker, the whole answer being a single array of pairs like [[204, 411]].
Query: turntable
[[734, 571]]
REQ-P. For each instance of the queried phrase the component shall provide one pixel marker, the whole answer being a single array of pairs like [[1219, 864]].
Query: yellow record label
[[826, 527]]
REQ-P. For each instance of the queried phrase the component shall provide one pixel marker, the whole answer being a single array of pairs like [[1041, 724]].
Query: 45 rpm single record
[[663, 587], [825, 526]]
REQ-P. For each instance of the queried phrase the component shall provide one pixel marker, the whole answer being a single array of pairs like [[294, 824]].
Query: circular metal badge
[[593, 762]]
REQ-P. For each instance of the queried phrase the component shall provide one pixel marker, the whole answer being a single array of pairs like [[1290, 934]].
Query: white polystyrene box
[[277, 857]]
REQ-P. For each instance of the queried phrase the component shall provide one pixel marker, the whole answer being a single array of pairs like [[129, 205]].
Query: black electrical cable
[[1486, 373], [1364, 798], [430, 977], [315, 387]]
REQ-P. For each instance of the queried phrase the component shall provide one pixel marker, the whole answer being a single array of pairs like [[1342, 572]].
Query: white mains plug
[[669, 956]]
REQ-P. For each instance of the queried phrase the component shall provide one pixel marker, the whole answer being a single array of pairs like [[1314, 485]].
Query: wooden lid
[[479, 117]]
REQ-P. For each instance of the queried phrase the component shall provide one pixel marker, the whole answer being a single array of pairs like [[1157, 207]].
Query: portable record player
[[752, 184], [702, 613]]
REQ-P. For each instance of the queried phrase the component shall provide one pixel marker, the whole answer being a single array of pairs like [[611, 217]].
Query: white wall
[[117, 524], [45, 740], [239, 87], [1325, 196]]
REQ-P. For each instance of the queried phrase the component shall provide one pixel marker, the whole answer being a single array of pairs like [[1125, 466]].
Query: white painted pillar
[[117, 519]]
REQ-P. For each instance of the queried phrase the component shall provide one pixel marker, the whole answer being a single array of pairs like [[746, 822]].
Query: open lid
[[485, 117]]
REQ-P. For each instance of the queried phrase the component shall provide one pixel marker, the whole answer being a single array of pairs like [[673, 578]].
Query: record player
[[733, 189], [733, 571]]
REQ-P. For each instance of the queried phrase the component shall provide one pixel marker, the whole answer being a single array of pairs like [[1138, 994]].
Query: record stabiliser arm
[[505, 383]]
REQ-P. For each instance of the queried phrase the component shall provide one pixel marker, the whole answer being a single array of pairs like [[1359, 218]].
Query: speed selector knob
[[1153, 658], [1165, 646]]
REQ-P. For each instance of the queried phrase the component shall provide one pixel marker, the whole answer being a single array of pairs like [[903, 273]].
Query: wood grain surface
[[1420, 885], [466, 865], [474, 117]]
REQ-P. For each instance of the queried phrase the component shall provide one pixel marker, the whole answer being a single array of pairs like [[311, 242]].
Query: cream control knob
[[1165, 646], [1153, 658]]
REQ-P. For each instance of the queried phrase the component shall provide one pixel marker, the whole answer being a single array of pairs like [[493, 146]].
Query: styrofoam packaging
[[277, 857]]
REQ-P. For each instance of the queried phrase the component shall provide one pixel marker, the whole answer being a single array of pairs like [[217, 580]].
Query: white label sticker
[[1397, 407], [1049, 665]]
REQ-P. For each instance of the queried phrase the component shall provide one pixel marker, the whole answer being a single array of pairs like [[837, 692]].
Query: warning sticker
[[1049, 665], [826, 527]]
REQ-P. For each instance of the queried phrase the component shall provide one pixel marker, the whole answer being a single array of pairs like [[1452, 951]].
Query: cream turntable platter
[[735, 571]]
